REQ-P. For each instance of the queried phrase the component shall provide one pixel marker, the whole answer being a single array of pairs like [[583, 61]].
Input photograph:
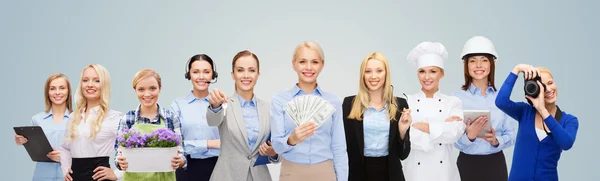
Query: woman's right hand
[[20, 140], [302, 132], [68, 175], [529, 71], [474, 127], [122, 161], [217, 98]]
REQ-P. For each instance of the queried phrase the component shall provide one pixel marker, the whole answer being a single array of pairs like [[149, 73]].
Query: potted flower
[[149, 152]]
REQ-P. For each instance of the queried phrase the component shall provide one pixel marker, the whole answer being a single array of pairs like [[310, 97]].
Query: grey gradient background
[[43, 37]]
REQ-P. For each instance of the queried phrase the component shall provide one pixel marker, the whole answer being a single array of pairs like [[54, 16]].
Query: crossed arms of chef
[[425, 135]]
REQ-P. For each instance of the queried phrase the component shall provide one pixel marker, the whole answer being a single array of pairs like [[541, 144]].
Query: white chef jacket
[[431, 156]]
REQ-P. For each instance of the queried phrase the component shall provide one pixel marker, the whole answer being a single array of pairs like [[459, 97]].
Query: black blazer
[[398, 149]]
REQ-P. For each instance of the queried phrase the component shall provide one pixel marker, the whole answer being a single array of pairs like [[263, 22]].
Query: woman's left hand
[[491, 137], [104, 173], [177, 161], [267, 150]]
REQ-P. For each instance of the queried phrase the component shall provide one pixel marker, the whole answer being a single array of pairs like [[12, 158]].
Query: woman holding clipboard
[[92, 130], [481, 158], [57, 95], [243, 122]]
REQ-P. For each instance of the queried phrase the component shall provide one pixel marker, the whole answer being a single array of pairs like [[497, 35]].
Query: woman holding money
[[243, 125], [437, 119], [375, 125], [311, 139]]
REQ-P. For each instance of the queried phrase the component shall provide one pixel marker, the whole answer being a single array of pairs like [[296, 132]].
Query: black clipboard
[[37, 144]]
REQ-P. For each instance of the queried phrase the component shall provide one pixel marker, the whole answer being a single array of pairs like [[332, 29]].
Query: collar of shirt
[[49, 113], [191, 98], [161, 114], [385, 104], [93, 110], [472, 89], [435, 95], [297, 91], [244, 103]]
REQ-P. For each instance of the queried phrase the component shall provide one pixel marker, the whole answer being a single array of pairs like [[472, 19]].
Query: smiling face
[[91, 86], [147, 90], [245, 73], [307, 64], [429, 77], [551, 92], [374, 75], [201, 74], [58, 91], [479, 67]]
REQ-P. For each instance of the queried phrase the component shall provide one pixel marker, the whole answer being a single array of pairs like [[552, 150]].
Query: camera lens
[[531, 88]]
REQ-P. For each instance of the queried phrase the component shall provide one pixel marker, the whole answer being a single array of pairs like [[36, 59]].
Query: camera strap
[[557, 117]]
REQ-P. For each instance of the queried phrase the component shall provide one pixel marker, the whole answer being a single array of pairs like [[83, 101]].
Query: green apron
[[157, 176]]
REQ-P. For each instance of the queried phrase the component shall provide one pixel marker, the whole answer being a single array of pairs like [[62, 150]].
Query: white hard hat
[[479, 44], [428, 54]]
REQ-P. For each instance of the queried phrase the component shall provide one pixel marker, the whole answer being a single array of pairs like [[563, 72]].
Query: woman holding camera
[[479, 93], [544, 130]]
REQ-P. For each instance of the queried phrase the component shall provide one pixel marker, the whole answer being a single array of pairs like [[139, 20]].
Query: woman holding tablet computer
[[481, 156], [57, 95]]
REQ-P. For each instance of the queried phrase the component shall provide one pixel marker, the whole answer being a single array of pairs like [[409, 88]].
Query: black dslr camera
[[532, 89]]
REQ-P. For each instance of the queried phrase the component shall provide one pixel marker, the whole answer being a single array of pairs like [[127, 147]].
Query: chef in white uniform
[[436, 117]]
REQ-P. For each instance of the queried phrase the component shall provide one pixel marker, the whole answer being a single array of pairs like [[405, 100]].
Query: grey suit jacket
[[236, 160]]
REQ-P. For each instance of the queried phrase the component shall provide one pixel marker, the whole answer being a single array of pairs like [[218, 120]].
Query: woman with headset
[[310, 152], [479, 93], [57, 95], [201, 143]]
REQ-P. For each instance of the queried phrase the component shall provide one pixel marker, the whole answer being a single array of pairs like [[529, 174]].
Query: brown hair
[[244, 53], [469, 79], [145, 73], [47, 91]]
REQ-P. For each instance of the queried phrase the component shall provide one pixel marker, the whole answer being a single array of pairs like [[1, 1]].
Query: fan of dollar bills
[[309, 107]]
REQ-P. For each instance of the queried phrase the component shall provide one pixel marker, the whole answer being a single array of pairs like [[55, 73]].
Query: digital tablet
[[37, 144], [474, 114]]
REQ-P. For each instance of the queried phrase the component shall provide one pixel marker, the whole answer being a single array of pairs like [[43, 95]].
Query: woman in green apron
[[148, 117]]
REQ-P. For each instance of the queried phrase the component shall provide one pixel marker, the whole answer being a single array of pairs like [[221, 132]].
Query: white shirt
[[83, 146], [431, 156], [540, 133]]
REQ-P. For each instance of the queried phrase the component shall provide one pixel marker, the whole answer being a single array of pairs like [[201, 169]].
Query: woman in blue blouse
[[310, 152], [544, 130], [57, 94], [479, 93], [201, 142]]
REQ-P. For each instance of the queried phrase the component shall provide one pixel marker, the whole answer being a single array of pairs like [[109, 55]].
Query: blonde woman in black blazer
[[375, 126]]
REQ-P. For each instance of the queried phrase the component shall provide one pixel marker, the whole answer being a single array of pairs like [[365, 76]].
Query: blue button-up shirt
[[502, 123], [55, 134], [250, 114], [192, 115], [376, 128], [328, 142]]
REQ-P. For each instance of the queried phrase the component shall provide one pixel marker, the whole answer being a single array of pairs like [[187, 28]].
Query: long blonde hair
[[361, 101], [81, 102], [51, 78]]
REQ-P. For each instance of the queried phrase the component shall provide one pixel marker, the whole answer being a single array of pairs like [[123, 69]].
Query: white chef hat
[[428, 54]]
